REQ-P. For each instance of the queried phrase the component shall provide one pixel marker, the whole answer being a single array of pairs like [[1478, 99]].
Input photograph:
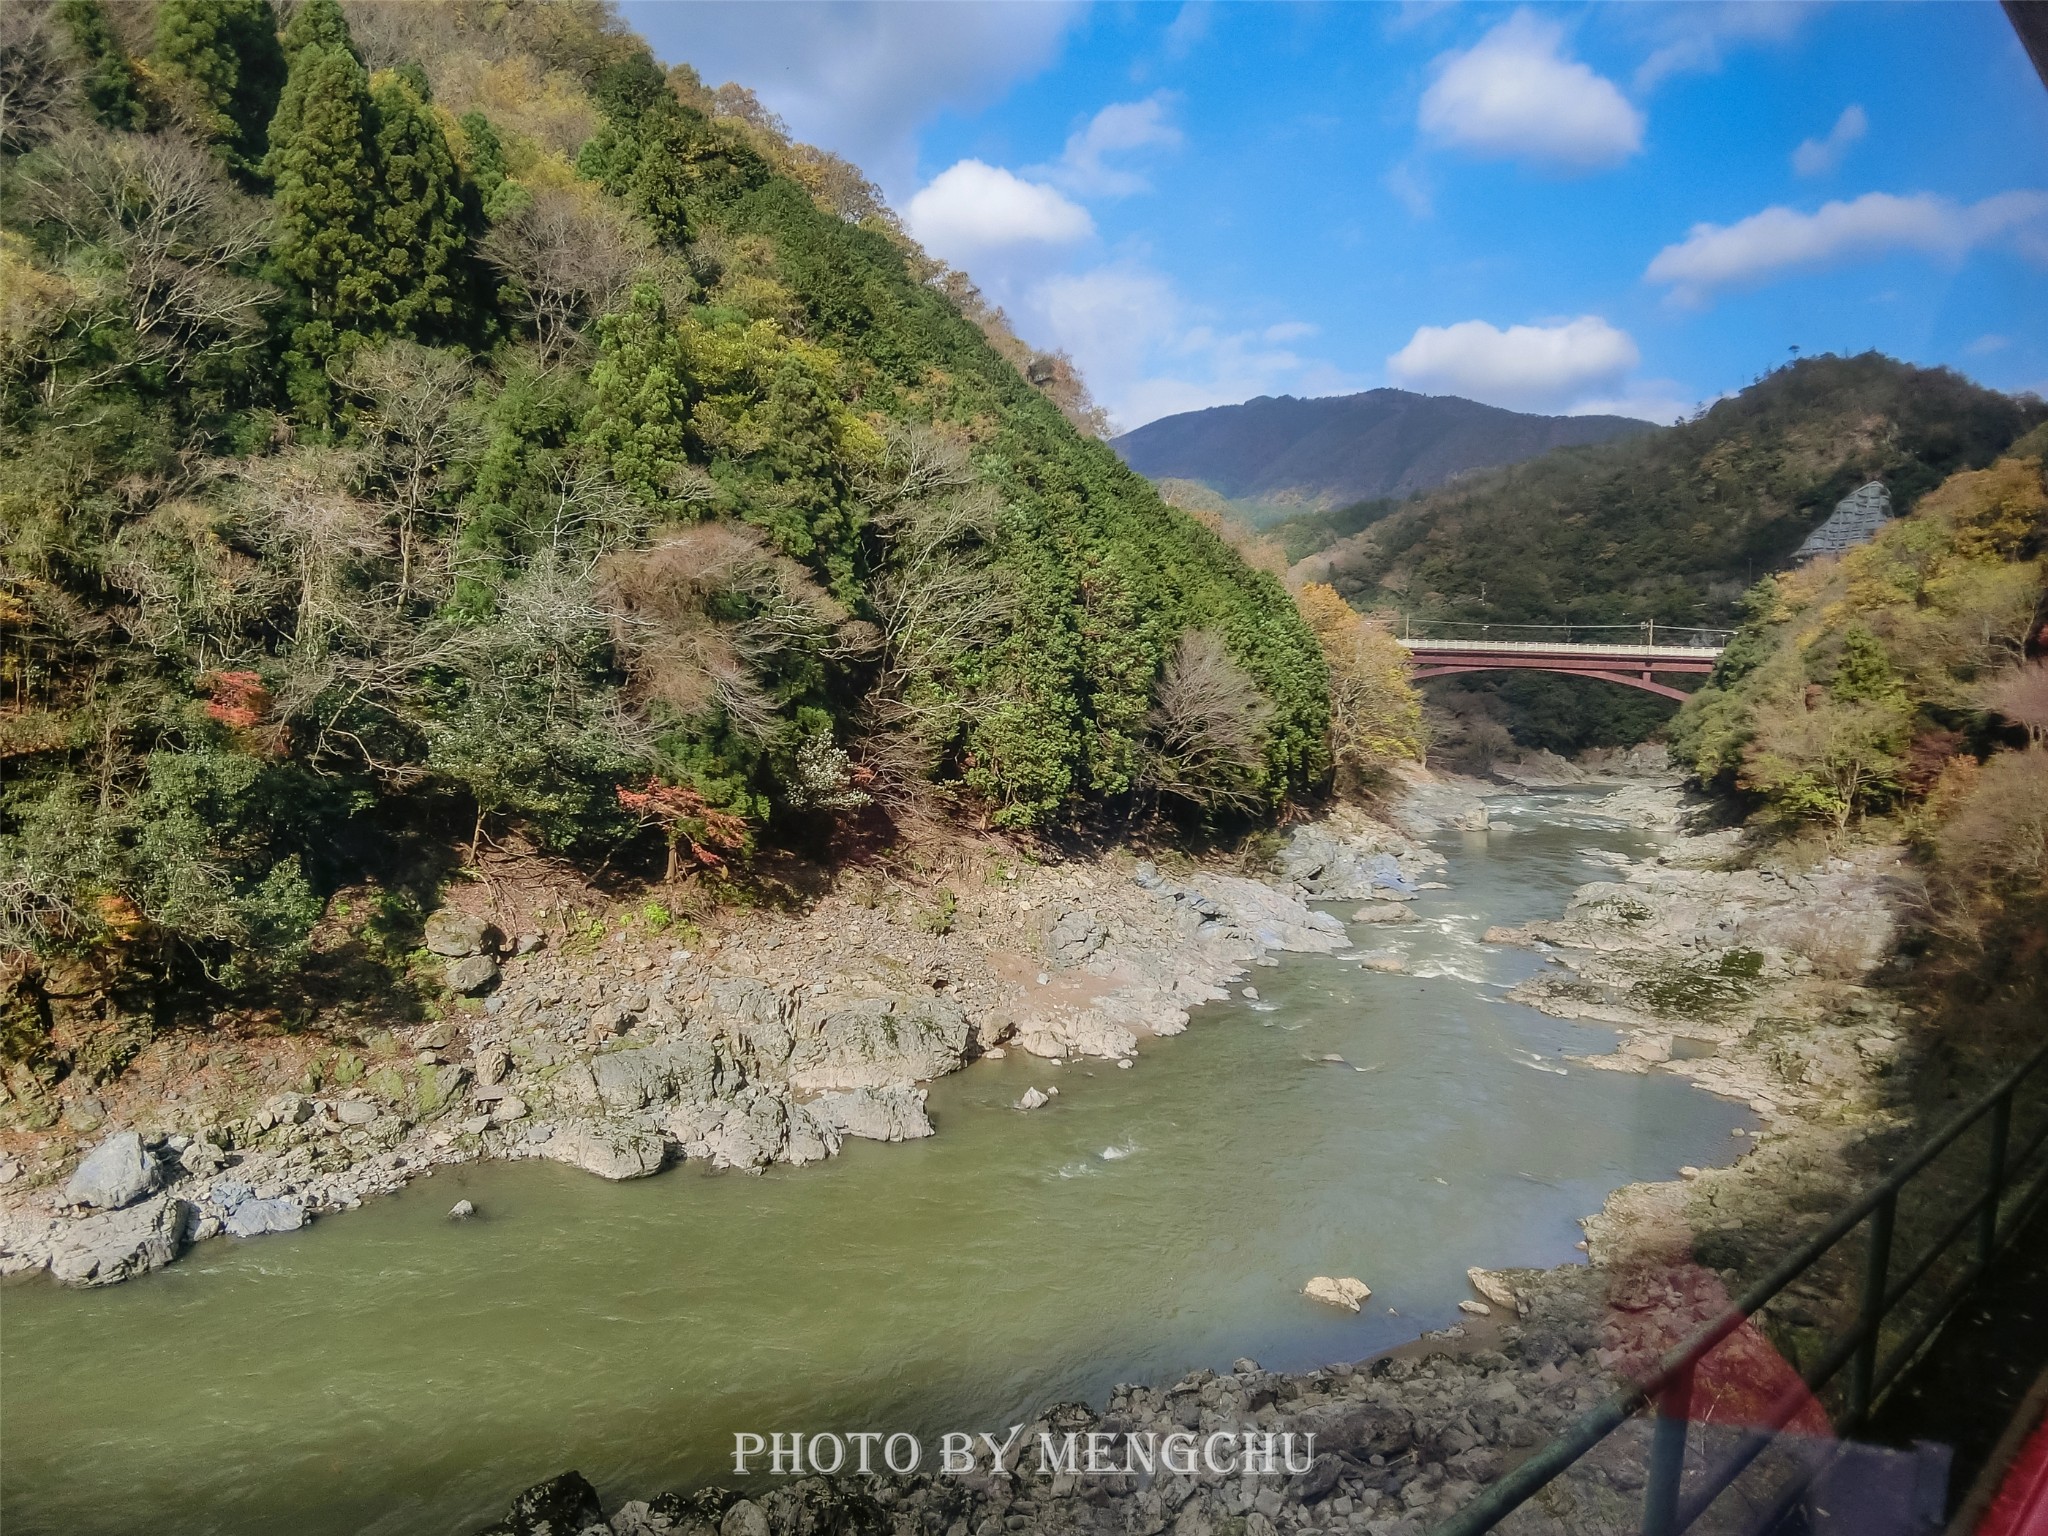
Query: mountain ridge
[[1318, 453]]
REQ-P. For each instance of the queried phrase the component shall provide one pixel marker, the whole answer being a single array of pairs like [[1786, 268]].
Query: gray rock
[[202, 1158], [746, 1518], [471, 975], [689, 1067], [892, 1113], [755, 1019], [878, 1041], [753, 1132], [101, 1250], [609, 1151], [455, 934], [1327, 869], [462, 1210], [355, 1112], [1075, 936], [1033, 1099], [260, 1218], [115, 1173]]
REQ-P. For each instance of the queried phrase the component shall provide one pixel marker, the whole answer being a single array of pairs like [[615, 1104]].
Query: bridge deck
[[1536, 648]]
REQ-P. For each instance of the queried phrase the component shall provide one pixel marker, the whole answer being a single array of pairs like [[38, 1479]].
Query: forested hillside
[[1269, 455], [1903, 680], [1672, 526], [431, 421]]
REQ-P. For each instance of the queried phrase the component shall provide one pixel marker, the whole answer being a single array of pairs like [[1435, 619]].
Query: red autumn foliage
[[686, 818], [238, 700], [1926, 758]]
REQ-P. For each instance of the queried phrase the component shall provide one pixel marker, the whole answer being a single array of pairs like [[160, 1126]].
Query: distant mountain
[[1282, 455]]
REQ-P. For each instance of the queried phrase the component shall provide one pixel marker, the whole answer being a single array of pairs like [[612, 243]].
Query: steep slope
[[457, 427], [1277, 453]]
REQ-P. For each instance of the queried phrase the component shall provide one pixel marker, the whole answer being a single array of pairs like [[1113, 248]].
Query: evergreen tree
[[322, 161], [318, 24], [425, 217], [224, 54], [496, 190], [648, 145], [641, 383], [110, 86]]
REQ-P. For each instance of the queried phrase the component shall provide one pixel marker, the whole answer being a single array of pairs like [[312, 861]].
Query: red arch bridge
[[1632, 666]]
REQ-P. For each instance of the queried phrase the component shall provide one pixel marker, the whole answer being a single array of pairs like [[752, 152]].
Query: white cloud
[[1816, 157], [861, 77], [973, 208], [1695, 38], [1987, 344], [1289, 330], [1118, 128], [1146, 352], [1411, 191], [1525, 367], [1780, 240], [1188, 28], [1515, 95]]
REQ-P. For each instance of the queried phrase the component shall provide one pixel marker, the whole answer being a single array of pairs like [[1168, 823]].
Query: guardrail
[[1669, 1386], [1647, 628], [1682, 650]]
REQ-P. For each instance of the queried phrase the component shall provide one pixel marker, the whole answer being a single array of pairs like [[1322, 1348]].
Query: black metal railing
[[2000, 1207]]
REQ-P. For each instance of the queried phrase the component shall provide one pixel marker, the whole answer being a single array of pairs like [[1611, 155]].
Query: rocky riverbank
[[1758, 978], [618, 1050]]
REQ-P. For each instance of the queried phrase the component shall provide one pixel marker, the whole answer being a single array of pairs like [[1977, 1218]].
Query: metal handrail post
[[1667, 1455], [1994, 1183], [1870, 1315]]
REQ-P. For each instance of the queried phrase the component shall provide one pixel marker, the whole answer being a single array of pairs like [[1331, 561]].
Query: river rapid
[[391, 1371]]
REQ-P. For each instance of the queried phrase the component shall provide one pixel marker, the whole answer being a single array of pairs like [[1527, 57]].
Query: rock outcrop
[[118, 1245], [115, 1173]]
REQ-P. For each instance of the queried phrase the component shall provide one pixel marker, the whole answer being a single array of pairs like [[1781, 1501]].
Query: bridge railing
[[1646, 632], [1982, 1217]]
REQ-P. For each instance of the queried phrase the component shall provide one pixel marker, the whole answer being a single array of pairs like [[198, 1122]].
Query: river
[[390, 1371]]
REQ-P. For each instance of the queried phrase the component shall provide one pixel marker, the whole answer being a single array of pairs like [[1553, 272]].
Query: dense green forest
[[426, 422], [1671, 526]]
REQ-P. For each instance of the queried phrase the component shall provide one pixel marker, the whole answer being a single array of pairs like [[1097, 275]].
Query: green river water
[[390, 1371]]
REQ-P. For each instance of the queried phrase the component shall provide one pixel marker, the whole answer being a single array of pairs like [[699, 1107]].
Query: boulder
[[202, 1158], [115, 1173], [456, 934], [1325, 868], [755, 1019], [101, 1250], [1382, 912], [1075, 936], [561, 1506], [355, 1112], [1063, 1031], [688, 1067], [1033, 1099], [754, 1131], [879, 1041], [893, 1113], [260, 1218], [1346, 1293], [609, 1151], [470, 975], [461, 1210], [1492, 1287]]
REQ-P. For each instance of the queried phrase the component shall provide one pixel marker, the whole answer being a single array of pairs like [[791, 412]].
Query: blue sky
[[1632, 207]]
